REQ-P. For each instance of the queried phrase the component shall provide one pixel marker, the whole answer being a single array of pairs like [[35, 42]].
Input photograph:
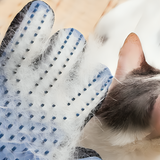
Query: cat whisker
[[118, 80], [112, 98], [99, 122]]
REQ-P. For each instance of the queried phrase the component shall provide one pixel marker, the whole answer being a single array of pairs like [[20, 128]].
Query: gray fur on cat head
[[129, 104]]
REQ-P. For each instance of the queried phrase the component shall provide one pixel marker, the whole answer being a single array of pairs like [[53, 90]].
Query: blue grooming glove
[[47, 89]]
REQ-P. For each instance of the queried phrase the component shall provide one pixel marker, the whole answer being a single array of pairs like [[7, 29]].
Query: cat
[[127, 126]]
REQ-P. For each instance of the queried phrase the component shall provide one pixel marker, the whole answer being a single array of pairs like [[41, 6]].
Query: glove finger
[[62, 52], [29, 29]]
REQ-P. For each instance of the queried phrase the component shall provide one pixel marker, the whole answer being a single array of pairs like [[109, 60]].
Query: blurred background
[[82, 15]]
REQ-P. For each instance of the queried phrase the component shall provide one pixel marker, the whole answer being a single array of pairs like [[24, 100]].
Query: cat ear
[[130, 57]]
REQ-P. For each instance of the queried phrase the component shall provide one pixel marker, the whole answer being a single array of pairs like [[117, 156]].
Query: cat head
[[131, 110]]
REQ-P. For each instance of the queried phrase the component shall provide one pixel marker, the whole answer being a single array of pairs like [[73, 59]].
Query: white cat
[[127, 126]]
